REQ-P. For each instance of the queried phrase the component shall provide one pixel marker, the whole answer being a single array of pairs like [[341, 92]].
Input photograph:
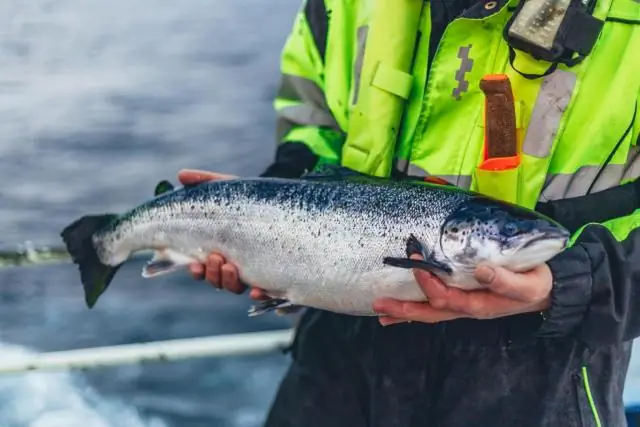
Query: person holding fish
[[546, 347], [502, 317]]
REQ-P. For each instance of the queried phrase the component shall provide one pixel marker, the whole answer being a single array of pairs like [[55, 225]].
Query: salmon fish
[[333, 239]]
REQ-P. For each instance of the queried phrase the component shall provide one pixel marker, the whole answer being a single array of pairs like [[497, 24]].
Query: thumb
[[196, 176]]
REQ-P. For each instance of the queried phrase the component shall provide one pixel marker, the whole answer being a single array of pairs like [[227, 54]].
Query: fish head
[[501, 234]]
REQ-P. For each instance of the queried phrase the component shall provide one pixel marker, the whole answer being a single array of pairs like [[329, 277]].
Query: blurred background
[[99, 100]]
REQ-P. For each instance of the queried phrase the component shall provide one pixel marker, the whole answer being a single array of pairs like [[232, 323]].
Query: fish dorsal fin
[[162, 187], [331, 171], [165, 186]]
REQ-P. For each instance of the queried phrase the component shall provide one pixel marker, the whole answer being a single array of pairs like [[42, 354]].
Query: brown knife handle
[[500, 117]]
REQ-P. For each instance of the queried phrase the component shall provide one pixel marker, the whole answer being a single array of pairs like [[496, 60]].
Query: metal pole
[[171, 350]]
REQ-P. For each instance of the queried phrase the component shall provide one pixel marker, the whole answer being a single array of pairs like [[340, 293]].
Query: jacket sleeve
[[307, 132], [596, 289]]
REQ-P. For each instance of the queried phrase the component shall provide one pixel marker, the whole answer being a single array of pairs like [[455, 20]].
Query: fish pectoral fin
[[415, 247], [429, 265], [165, 262], [280, 306]]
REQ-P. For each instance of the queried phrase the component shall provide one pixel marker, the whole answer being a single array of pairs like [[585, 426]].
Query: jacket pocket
[[587, 405], [499, 178]]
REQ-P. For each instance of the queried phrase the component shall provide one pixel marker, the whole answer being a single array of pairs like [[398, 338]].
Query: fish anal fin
[[279, 305], [164, 262]]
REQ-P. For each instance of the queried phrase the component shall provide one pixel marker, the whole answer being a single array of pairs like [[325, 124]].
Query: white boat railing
[[159, 351]]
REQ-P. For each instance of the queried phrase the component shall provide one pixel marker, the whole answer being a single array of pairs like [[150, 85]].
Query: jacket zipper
[[615, 149], [582, 385], [587, 390]]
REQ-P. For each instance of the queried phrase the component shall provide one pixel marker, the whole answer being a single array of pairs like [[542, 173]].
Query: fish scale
[[321, 241]]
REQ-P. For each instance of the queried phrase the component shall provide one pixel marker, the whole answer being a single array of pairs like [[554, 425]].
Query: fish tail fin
[[95, 275]]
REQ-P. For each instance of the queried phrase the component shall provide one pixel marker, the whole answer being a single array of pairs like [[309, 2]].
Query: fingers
[[196, 176], [433, 288], [389, 320], [530, 287], [506, 293], [197, 271], [482, 304], [460, 304], [212, 271], [231, 280], [215, 271], [222, 275], [414, 311], [258, 294]]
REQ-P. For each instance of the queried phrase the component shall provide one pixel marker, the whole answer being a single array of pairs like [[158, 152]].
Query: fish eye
[[454, 229], [510, 229]]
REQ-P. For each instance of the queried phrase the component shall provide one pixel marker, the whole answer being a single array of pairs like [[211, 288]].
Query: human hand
[[216, 270], [506, 294]]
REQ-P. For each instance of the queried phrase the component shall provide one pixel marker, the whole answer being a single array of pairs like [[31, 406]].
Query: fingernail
[[387, 321], [379, 306], [485, 274]]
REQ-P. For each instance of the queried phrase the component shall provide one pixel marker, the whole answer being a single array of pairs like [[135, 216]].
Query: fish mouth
[[553, 235]]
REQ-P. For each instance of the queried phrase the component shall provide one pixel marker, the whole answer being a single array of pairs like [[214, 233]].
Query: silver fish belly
[[317, 244], [330, 243]]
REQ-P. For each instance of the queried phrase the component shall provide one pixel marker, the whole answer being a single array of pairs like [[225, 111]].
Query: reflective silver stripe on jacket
[[311, 110], [591, 178], [552, 100], [558, 186], [362, 32], [462, 181]]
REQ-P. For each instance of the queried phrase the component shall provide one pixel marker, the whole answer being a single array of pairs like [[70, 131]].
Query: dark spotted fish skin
[[313, 242], [321, 242]]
